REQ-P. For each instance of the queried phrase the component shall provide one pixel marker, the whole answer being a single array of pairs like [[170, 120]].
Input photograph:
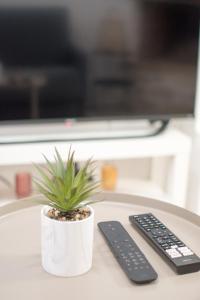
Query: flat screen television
[[99, 60]]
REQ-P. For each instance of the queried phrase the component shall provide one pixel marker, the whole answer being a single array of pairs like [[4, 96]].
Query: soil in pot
[[74, 215]]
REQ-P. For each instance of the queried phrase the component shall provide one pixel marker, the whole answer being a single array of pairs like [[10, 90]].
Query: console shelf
[[172, 144]]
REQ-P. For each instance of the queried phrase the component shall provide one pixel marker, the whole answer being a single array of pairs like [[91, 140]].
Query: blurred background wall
[[85, 17]]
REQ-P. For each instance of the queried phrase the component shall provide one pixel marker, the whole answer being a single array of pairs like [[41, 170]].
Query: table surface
[[22, 277]]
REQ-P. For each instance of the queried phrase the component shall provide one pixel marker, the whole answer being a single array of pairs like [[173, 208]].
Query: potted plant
[[66, 219]]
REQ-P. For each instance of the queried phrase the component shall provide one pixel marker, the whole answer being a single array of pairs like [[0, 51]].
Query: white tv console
[[171, 173]]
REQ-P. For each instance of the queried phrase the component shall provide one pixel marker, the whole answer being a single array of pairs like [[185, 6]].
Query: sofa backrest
[[33, 36]]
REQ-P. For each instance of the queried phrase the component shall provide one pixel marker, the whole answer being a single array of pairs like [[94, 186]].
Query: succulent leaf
[[62, 188]]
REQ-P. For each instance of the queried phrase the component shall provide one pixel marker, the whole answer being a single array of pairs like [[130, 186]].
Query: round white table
[[22, 277]]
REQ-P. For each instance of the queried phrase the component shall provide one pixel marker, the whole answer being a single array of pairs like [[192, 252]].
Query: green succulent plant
[[62, 187]]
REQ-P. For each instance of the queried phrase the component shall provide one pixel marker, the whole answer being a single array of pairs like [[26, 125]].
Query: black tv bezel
[[151, 118]]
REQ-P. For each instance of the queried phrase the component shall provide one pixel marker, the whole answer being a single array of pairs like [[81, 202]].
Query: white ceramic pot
[[66, 245]]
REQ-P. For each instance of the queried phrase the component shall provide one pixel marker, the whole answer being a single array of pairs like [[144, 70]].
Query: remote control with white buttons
[[127, 253], [180, 257]]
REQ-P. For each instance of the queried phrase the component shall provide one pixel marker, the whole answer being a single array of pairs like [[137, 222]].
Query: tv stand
[[72, 131], [169, 153]]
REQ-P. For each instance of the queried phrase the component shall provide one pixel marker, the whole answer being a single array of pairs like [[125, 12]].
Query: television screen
[[99, 59]]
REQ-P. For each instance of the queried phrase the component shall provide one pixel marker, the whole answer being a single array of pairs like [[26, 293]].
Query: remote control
[[166, 243], [127, 253]]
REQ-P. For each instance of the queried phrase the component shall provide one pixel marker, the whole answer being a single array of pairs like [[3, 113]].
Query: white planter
[[66, 245]]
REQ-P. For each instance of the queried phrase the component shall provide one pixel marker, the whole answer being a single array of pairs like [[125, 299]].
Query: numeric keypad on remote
[[178, 255]]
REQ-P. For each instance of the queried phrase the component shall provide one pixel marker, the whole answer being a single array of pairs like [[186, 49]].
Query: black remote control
[[166, 243], [127, 253]]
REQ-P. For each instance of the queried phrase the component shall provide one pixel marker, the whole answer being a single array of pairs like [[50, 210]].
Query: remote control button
[[188, 254], [165, 247], [174, 239], [162, 227], [185, 251], [174, 247], [157, 232], [161, 241], [169, 241], [180, 244], [145, 225], [173, 253]]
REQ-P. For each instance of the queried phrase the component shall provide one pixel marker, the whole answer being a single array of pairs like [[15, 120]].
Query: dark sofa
[[38, 40]]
